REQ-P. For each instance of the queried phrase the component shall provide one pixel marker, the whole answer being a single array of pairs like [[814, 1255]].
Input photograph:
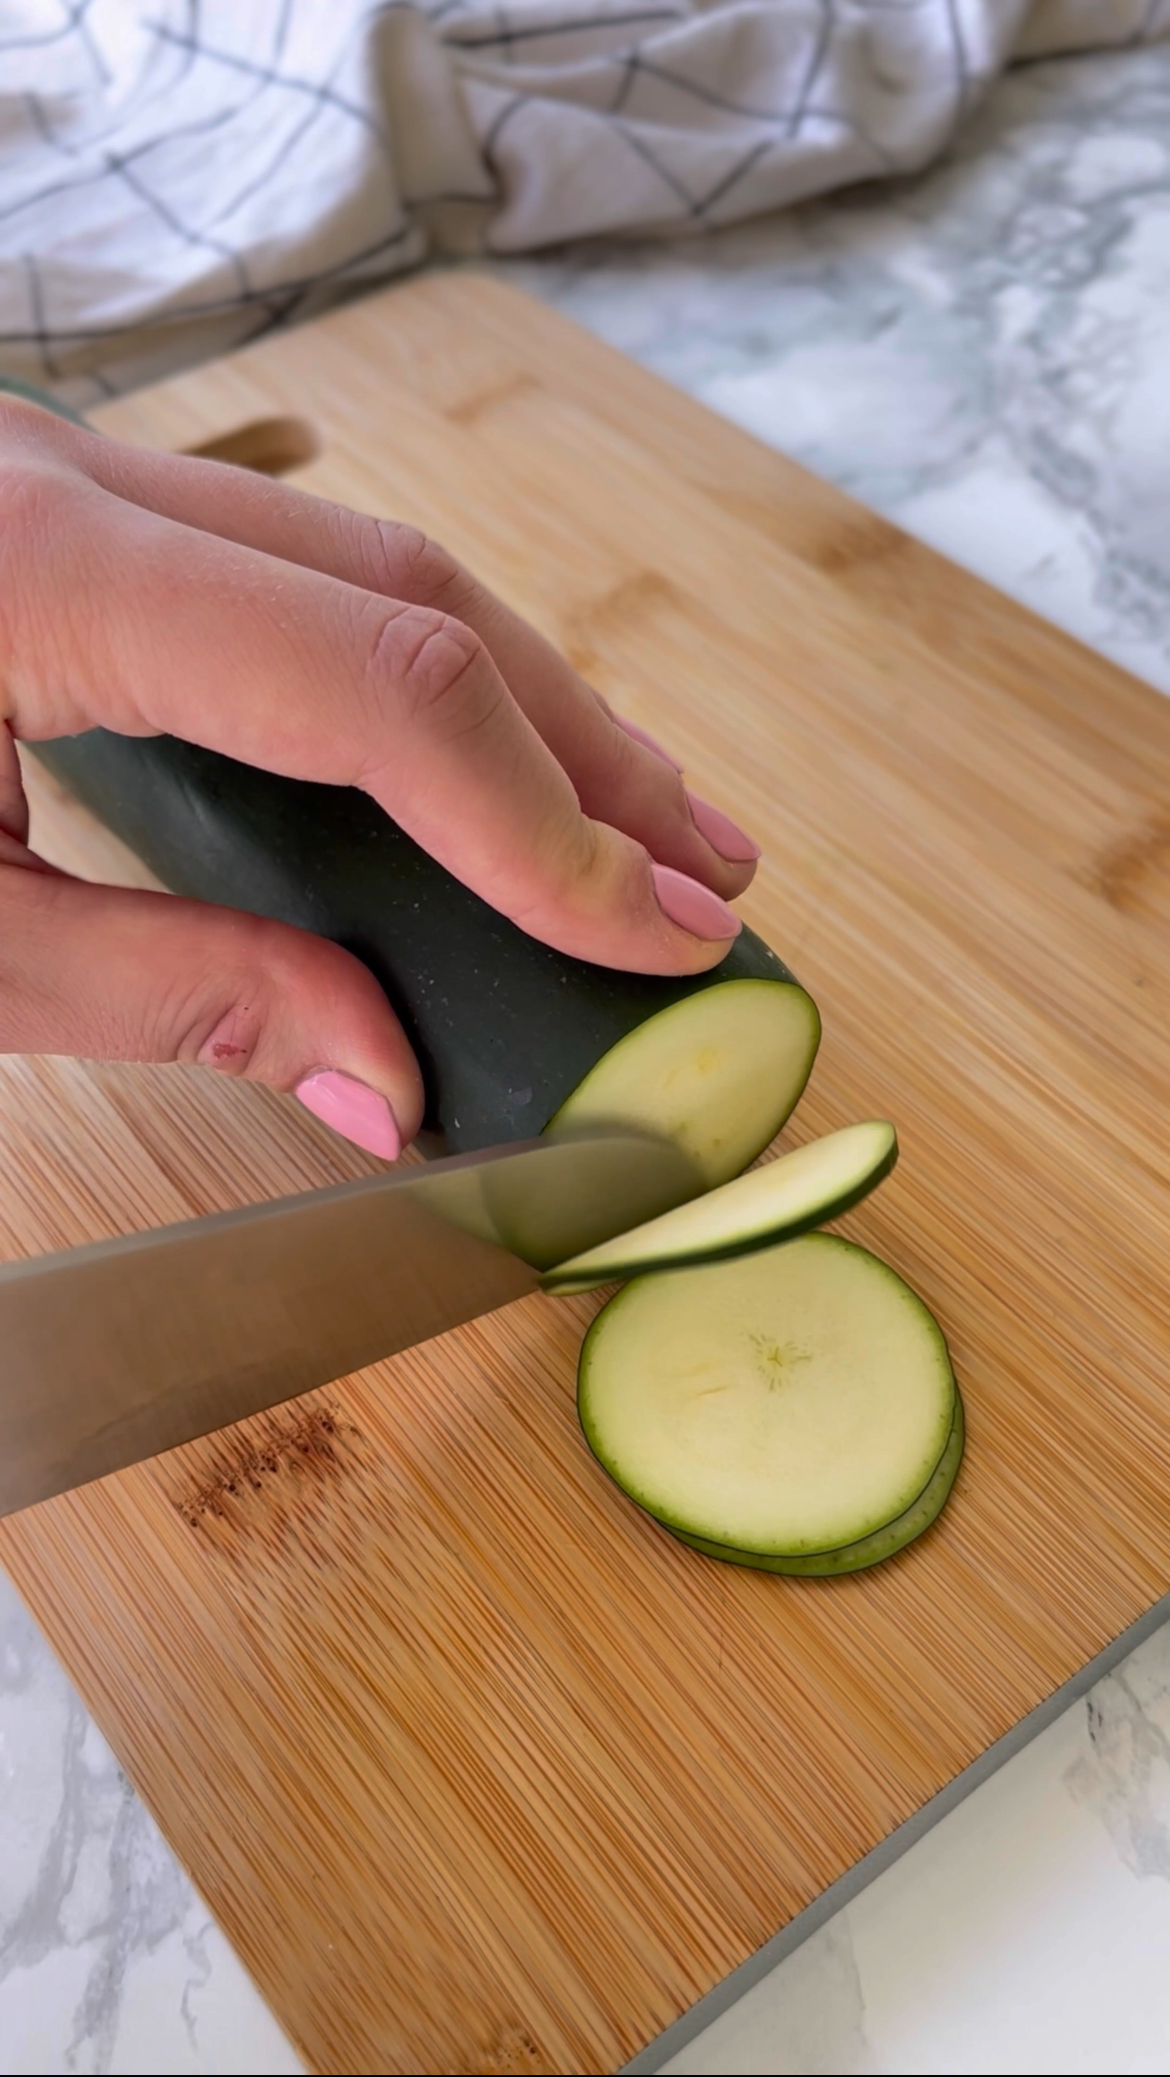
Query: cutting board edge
[[728, 1992]]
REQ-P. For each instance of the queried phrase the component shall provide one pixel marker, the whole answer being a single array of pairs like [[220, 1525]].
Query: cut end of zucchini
[[784, 1405], [718, 1072], [798, 1191]]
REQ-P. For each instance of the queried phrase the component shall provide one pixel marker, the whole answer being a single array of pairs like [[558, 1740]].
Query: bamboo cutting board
[[477, 1768]]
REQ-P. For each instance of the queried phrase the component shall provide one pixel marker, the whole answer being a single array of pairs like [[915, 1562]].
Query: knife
[[117, 1351]]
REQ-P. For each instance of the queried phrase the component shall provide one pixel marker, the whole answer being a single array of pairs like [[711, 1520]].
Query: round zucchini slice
[[868, 1550], [784, 1405]]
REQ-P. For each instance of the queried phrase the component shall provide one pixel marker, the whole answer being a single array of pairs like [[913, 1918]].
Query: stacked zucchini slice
[[773, 1395]]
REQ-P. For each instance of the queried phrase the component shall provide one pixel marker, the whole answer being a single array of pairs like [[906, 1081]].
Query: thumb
[[112, 974]]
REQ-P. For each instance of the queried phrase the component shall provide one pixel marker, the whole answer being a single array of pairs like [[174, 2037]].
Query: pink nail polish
[[352, 1109], [692, 906], [724, 835], [648, 742]]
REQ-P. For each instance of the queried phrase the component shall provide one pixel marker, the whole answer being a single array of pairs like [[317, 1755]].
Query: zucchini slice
[[509, 1033], [868, 1550], [783, 1405], [800, 1190]]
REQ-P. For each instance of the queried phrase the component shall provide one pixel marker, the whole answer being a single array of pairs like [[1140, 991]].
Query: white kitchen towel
[[178, 176]]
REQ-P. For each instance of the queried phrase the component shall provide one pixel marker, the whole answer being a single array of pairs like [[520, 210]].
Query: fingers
[[106, 973], [617, 778], [620, 777], [113, 615]]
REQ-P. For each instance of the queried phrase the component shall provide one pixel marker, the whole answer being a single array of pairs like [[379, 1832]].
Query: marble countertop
[[983, 355]]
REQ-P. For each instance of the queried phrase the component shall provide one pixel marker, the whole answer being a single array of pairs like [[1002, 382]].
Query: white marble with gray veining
[[983, 355], [108, 1959]]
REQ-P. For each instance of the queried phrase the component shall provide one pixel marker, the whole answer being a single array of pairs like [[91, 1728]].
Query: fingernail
[[354, 1110], [648, 742], [724, 835], [692, 906]]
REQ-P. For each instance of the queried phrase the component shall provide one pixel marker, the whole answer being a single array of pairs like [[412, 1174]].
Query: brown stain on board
[[1124, 870], [863, 542], [486, 402], [512, 2053], [478, 1768], [587, 630], [296, 1484], [298, 1451]]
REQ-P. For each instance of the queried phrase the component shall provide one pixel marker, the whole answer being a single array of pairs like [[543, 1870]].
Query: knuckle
[[403, 562], [385, 551], [40, 581], [449, 687], [219, 1016], [434, 575], [33, 501], [26, 426], [287, 962], [435, 666]]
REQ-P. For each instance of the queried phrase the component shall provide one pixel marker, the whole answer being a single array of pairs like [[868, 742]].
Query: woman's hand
[[148, 593]]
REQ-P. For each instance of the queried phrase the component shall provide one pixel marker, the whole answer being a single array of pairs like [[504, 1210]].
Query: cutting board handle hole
[[270, 446]]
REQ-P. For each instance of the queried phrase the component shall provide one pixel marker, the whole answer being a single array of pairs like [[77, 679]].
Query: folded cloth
[[179, 176]]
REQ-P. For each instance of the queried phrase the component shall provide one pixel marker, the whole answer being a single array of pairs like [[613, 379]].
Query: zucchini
[[798, 1191], [512, 1037], [868, 1550], [788, 1406]]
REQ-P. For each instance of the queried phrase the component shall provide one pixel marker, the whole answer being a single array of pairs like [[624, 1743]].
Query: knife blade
[[116, 1351]]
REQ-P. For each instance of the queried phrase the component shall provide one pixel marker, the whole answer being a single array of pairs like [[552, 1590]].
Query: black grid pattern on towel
[[267, 104], [141, 170]]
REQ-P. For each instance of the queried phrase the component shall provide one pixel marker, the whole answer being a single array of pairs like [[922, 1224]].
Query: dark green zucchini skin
[[504, 1027]]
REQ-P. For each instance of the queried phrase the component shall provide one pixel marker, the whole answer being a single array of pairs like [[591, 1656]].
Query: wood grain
[[479, 1771]]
